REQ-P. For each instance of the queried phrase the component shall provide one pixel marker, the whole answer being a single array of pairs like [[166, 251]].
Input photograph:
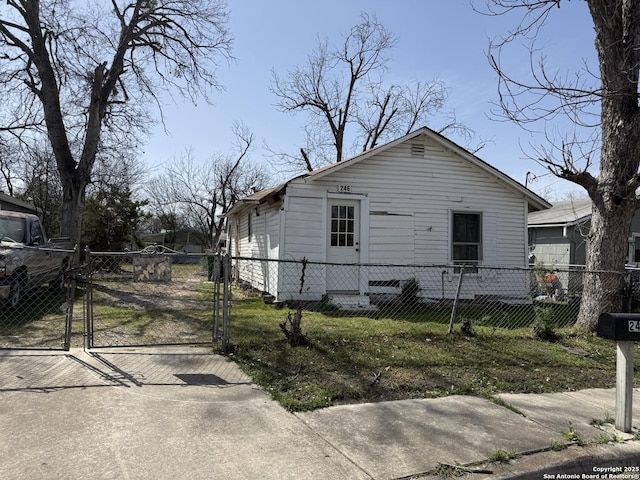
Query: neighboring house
[[13, 204], [558, 245], [420, 199], [557, 236]]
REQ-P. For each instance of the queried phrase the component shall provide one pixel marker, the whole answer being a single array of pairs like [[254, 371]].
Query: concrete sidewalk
[[185, 413]]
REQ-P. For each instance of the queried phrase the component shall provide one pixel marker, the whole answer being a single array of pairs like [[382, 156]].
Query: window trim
[[470, 266]]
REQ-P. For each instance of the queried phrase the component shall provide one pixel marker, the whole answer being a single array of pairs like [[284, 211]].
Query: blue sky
[[438, 39]]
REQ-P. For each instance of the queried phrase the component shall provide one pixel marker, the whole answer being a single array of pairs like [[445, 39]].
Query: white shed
[[418, 200]]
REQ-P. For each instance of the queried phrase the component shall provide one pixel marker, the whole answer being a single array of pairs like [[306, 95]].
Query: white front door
[[343, 246]]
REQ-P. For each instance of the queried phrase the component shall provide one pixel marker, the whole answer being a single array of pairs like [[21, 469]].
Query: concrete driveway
[[174, 413]]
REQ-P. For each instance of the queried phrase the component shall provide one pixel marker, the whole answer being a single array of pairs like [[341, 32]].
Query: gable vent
[[417, 149]]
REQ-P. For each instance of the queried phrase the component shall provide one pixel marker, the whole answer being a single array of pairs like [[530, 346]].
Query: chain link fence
[[455, 294], [152, 297], [161, 297], [37, 297]]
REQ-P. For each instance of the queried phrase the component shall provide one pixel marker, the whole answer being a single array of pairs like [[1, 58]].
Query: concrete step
[[352, 303]]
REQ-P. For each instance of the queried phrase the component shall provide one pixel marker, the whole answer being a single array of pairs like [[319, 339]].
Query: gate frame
[[220, 316], [222, 306]]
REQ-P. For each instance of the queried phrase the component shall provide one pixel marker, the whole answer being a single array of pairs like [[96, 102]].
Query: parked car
[[28, 259]]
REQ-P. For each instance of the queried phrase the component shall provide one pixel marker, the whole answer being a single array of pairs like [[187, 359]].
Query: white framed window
[[466, 240]]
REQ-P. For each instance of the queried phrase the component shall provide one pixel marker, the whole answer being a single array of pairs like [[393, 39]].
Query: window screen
[[467, 238]]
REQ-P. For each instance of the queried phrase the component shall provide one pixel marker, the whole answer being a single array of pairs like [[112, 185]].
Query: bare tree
[[397, 110], [118, 166], [603, 107], [81, 70], [198, 193], [342, 85], [29, 170], [40, 185], [8, 165]]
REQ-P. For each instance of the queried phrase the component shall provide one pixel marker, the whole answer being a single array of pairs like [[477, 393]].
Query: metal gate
[[221, 277], [154, 297]]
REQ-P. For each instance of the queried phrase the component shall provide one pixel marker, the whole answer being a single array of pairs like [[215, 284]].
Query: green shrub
[[543, 324], [409, 294]]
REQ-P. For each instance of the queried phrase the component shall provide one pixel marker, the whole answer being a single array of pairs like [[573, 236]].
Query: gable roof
[[257, 197], [571, 212], [534, 200]]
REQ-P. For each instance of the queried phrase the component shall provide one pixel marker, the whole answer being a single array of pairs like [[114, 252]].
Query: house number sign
[[344, 188], [634, 326]]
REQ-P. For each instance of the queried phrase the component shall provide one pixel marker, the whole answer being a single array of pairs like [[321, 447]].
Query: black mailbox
[[619, 326]]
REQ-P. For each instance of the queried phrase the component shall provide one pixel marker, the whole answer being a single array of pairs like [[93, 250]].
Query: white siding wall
[[304, 227], [411, 200], [304, 237], [264, 243], [243, 237], [415, 196], [392, 238]]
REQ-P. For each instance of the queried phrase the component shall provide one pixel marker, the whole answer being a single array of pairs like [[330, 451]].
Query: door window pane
[[342, 225]]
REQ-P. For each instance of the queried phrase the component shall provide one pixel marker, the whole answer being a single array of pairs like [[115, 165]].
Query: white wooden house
[[418, 200]]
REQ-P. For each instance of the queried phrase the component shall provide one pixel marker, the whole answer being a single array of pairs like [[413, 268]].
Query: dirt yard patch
[[127, 312], [181, 294]]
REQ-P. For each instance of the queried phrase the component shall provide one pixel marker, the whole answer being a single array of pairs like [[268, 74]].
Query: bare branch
[[307, 162], [197, 193], [328, 85], [533, 19], [604, 126], [93, 66]]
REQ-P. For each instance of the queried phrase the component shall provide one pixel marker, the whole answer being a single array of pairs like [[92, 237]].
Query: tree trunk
[[607, 250], [617, 27], [73, 203]]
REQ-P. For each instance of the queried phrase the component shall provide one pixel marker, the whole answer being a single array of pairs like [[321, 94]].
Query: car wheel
[[58, 283], [15, 293]]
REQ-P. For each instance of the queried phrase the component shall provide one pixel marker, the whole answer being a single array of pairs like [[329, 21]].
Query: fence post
[[226, 299], [627, 293], [624, 385], [216, 295], [88, 316], [455, 300], [71, 296]]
